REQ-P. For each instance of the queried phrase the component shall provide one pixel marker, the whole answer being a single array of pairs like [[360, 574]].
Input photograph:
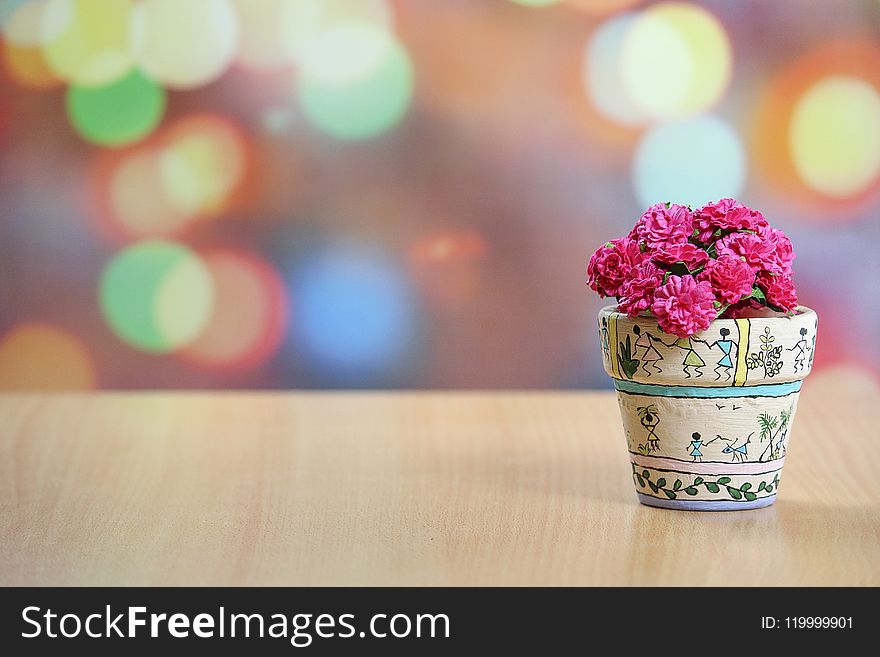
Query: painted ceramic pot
[[708, 418]]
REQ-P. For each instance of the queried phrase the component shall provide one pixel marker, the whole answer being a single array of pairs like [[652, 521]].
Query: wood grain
[[406, 489]]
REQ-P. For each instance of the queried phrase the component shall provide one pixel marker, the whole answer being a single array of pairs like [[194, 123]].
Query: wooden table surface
[[406, 489]]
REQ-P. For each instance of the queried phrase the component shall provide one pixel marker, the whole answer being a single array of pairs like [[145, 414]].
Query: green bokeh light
[[116, 114], [363, 107], [157, 295]]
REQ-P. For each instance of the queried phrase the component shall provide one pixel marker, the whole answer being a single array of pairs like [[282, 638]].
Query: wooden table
[[406, 489]]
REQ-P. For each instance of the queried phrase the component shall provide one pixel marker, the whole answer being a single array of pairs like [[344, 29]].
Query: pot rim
[[800, 312]]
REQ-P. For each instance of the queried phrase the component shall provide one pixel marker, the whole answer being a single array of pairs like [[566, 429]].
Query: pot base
[[705, 505]]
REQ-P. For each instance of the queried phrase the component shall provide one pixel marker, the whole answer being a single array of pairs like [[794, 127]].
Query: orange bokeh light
[[769, 135], [26, 66], [194, 170], [36, 356], [445, 266], [250, 313]]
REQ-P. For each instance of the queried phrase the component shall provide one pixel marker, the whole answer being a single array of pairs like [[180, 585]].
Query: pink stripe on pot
[[686, 467]]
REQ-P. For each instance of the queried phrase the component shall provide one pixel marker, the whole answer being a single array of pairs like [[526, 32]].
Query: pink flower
[[730, 277], [637, 293], [692, 256], [610, 265], [660, 226], [783, 249], [726, 214], [759, 253], [684, 306], [779, 290]]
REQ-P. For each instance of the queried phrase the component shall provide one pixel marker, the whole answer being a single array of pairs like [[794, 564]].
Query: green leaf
[[762, 486], [690, 490], [734, 493], [653, 486], [698, 481], [769, 488], [679, 269], [757, 294], [669, 494], [677, 484], [640, 480], [751, 497], [711, 487], [661, 482], [723, 480], [646, 474], [668, 204], [745, 486]]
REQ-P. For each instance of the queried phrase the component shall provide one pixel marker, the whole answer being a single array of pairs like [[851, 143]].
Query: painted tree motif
[[768, 358], [774, 429], [628, 364]]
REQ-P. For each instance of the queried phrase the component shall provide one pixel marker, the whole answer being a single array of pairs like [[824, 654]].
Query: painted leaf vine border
[[741, 493]]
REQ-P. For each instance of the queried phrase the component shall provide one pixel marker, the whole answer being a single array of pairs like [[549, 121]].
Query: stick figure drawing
[[696, 443], [651, 355], [649, 419], [603, 339], [801, 347], [691, 357], [725, 344]]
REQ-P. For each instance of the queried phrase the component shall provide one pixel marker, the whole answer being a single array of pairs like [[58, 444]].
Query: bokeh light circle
[[137, 199], [27, 66], [261, 34], [447, 267], [675, 60], [834, 136], [689, 162], [601, 7], [356, 81], [116, 114], [304, 20], [853, 56], [354, 312], [157, 295], [602, 72], [28, 23], [249, 316], [185, 44], [35, 356], [93, 48], [202, 162]]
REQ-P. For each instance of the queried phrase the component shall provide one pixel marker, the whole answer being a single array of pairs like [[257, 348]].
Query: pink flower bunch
[[687, 267]]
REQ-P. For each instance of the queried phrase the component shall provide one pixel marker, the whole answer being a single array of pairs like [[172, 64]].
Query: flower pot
[[708, 418]]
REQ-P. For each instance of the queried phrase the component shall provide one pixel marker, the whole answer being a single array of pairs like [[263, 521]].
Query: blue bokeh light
[[689, 162], [353, 313]]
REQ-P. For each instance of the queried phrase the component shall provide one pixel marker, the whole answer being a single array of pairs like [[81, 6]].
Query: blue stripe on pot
[[705, 505], [654, 390]]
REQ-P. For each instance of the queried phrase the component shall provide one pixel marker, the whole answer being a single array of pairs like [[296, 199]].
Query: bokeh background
[[376, 193]]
